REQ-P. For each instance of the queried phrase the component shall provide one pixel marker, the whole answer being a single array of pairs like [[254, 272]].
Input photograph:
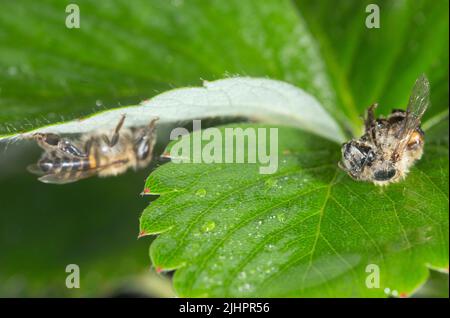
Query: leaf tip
[[142, 233], [166, 155]]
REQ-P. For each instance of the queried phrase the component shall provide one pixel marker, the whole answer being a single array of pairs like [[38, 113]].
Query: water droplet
[[98, 103], [245, 287], [270, 246], [208, 226], [201, 192]]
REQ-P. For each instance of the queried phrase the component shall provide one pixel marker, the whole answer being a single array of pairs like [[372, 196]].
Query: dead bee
[[389, 146], [65, 161]]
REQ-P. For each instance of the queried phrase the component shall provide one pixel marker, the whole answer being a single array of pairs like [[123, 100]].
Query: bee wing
[[418, 104], [63, 178], [68, 177]]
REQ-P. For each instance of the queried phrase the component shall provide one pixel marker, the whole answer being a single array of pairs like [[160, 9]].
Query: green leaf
[[125, 52], [306, 230]]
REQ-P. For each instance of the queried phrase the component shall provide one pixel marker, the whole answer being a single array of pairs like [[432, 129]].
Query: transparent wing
[[63, 179], [60, 178], [68, 177], [418, 104]]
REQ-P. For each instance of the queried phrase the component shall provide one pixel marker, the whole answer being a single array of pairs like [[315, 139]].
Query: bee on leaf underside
[[99, 153]]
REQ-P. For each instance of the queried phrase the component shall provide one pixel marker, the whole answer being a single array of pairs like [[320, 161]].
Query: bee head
[[143, 149], [356, 156], [145, 140], [384, 174]]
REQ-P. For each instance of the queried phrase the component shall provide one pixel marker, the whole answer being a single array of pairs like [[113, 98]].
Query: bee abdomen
[[60, 165]]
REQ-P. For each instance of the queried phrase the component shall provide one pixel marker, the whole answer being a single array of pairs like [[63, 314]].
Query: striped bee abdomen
[[57, 165]]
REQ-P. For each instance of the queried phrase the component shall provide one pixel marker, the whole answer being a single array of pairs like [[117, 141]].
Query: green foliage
[[128, 51]]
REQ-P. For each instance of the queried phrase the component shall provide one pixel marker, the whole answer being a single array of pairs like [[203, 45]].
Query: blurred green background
[[127, 51]]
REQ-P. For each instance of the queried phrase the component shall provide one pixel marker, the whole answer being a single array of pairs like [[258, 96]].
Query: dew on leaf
[[245, 287], [270, 246], [208, 226], [201, 192]]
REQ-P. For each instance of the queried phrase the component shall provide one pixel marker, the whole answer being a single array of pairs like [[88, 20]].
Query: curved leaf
[[259, 99]]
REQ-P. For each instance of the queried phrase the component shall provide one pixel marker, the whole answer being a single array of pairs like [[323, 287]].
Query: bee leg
[[145, 142], [370, 118], [149, 131], [88, 146], [53, 142], [370, 122], [151, 125], [146, 133], [116, 134]]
